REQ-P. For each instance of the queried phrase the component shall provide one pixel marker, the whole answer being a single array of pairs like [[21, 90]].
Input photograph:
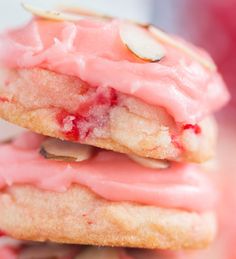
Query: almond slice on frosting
[[59, 150], [51, 14], [163, 37], [141, 42], [149, 162]]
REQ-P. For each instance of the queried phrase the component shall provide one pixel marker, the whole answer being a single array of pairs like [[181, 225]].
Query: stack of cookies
[[119, 117]]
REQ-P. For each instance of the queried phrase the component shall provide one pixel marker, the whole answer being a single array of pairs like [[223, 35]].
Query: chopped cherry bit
[[113, 96], [109, 98], [196, 128], [69, 126]]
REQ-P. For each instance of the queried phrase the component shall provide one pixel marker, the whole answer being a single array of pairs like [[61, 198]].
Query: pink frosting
[[93, 51], [111, 175]]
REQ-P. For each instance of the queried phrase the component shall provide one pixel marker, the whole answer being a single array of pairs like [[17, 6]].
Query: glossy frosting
[[93, 51], [111, 175]]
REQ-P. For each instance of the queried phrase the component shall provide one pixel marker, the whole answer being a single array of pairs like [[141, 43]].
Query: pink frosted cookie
[[111, 83], [72, 193]]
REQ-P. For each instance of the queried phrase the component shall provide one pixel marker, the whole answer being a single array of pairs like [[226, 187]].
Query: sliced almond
[[163, 37], [141, 42], [60, 150], [51, 14], [149, 162], [99, 253]]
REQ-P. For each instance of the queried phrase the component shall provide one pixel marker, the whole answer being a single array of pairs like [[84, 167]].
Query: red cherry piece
[[196, 128]]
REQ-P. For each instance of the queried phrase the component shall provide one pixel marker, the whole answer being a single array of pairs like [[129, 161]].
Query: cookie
[[126, 124], [80, 217]]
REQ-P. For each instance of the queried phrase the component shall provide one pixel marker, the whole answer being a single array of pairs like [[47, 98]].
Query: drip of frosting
[[93, 51], [110, 175]]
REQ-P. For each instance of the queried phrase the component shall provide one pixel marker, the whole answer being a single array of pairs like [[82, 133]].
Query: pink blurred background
[[211, 24]]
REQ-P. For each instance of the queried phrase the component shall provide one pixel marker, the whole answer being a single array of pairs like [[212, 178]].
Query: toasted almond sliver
[[163, 37], [141, 42], [149, 162], [51, 14], [59, 150]]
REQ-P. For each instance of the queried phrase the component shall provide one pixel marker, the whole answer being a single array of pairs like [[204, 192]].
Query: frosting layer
[[112, 176], [93, 51]]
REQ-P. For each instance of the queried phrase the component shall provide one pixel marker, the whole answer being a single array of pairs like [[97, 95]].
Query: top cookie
[[110, 83]]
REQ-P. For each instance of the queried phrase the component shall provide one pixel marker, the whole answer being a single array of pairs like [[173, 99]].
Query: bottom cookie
[[78, 216]]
